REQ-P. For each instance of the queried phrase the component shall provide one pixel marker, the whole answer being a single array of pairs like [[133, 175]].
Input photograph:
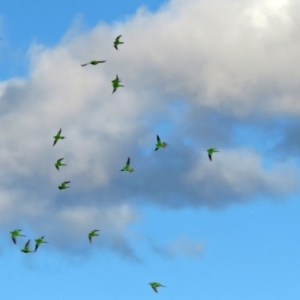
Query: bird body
[[160, 144], [127, 166]]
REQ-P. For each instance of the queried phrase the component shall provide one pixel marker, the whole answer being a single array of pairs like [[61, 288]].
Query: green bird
[[59, 164], [160, 144], [117, 42], [92, 234], [57, 137], [38, 242], [155, 285], [64, 185], [94, 62], [15, 234], [210, 151], [116, 83], [127, 167], [26, 248]]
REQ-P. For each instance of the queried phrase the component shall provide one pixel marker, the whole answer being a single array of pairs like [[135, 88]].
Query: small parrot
[[59, 164], [26, 248], [210, 151], [94, 62], [117, 42], [63, 185], [160, 144], [116, 84], [92, 234], [127, 167], [38, 242], [155, 285], [57, 137], [16, 233]]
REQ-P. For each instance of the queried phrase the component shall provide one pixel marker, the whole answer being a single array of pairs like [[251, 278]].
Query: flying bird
[[92, 234], [210, 151], [38, 242], [57, 137], [155, 285], [160, 144], [116, 83], [15, 233], [26, 248], [63, 185], [94, 62], [117, 42], [59, 164], [127, 167]]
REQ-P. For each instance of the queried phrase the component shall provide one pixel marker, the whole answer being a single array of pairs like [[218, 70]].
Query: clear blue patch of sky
[[250, 251]]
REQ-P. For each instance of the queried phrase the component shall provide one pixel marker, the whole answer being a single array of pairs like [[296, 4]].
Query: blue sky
[[200, 74]]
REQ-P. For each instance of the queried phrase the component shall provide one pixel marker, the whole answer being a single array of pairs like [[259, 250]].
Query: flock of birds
[[159, 144]]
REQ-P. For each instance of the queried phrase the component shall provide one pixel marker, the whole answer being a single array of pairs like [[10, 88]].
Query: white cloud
[[231, 58]]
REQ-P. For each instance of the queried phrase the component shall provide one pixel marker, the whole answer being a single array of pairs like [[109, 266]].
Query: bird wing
[[209, 156], [54, 142], [14, 239], [158, 139], [128, 162], [83, 65], [66, 182], [59, 132], [60, 159], [27, 245], [154, 288], [118, 37]]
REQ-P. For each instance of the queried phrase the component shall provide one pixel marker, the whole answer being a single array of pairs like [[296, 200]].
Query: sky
[[198, 73]]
